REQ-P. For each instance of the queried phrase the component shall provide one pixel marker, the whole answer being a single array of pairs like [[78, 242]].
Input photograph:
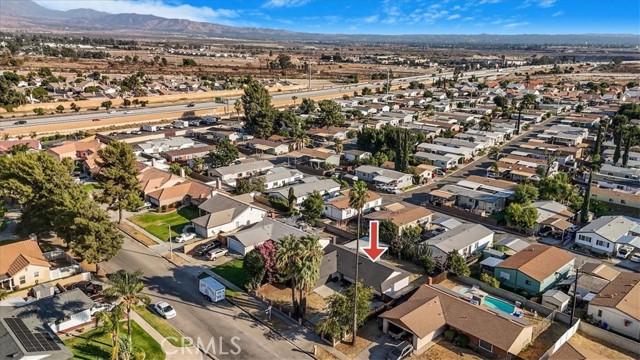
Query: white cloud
[[482, 2], [457, 7], [546, 3], [285, 3], [515, 25], [453, 17], [147, 7], [468, 18], [370, 19], [558, 13]]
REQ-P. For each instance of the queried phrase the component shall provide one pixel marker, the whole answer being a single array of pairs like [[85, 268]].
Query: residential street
[[220, 326]]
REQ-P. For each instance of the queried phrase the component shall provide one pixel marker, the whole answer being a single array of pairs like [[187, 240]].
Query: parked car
[[624, 252], [440, 172], [635, 257], [87, 287], [165, 310], [204, 248], [144, 206], [184, 237], [216, 253], [401, 351]]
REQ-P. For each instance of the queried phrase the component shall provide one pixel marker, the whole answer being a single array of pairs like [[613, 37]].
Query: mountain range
[[28, 15]]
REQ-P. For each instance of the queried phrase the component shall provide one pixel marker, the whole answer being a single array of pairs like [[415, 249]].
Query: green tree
[[118, 177], [39, 93], [253, 265], [312, 208], [237, 106], [632, 139], [428, 262], [292, 201], [489, 280], [456, 264], [500, 101], [106, 104], [366, 91], [175, 168], [524, 194], [59, 109], [258, 111], [388, 231], [330, 114], [198, 164], [109, 323], [127, 288], [308, 106], [337, 319], [520, 217], [556, 188], [126, 102], [224, 154]]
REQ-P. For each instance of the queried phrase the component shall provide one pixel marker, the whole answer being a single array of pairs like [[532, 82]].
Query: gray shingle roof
[[267, 229], [458, 237], [221, 210], [611, 227]]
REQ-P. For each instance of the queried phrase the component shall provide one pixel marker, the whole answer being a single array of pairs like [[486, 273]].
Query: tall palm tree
[[111, 324], [309, 273], [357, 200], [338, 146], [494, 152], [485, 125], [294, 98], [288, 264], [127, 287]]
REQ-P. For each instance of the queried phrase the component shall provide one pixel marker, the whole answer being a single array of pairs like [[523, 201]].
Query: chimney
[[214, 193], [218, 183], [153, 162]]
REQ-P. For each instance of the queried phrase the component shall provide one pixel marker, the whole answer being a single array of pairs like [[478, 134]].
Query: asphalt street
[[222, 328]]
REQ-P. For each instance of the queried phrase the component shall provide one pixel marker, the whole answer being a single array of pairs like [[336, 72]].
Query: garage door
[[235, 245]]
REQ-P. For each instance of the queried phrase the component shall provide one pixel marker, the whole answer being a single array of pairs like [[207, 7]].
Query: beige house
[[22, 264]]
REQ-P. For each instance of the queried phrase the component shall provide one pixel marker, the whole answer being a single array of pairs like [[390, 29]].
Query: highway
[[169, 111]]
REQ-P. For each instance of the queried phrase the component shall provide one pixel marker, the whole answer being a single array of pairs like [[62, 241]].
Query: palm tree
[[485, 125], [111, 324], [294, 98], [291, 197], [238, 107], [309, 273], [357, 200], [126, 287], [288, 265], [495, 168], [338, 146], [494, 152], [198, 164], [4, 294]]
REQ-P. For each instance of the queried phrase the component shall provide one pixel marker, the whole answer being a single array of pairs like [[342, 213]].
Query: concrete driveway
[[378, 349]]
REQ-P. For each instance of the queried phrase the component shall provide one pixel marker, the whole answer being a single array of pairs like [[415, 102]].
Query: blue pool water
[[497, 304]]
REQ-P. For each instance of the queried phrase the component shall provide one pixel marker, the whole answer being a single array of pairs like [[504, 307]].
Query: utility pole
[[575, 295], [309, 68], [388, 79]]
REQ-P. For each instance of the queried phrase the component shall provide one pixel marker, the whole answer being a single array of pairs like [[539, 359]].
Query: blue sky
[[392, 16]]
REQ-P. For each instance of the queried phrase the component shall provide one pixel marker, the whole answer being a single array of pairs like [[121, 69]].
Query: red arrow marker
[[373, 251]]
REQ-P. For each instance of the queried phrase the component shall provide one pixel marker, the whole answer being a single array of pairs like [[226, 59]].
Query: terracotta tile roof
[[191, 188], [623, 293], [16, 256], [152, 179], [86, 144], [5, 146], [430, 308], [538, 261]]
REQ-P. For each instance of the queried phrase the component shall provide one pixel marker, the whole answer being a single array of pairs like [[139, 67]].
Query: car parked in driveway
[[165, 310], [216, 253], [635, 257], [401, 351], [206, 247], [184, 237], [87, 287], [624, 252]]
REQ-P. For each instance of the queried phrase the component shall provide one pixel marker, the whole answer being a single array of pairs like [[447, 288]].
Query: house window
[[485, 346], [36, 274], [599, 313], [527, 282], [22, 280], [602, 243], [505, 275]]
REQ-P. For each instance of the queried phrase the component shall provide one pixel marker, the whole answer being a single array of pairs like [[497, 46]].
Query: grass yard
[[157, 224], [93, 346], [233, 272], [162, 326], [91, 186]]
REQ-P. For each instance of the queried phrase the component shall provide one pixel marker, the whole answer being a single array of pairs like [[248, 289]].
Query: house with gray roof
[[229, 174], [221, 213], [608, 233], [248, 238], [338, 264], [280, 176], [475, 200], [466, 239], [386, 179], [325, 187]]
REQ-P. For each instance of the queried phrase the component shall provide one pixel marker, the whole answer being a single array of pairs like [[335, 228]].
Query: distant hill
[[28, 15]]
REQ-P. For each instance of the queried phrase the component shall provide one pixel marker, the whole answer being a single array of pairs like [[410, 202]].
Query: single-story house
[[22, 264], [466, 239], [187, 192], [221, 213], [608, 233], [425, 172], [448, 161], [535, 269], [616, 306], [187, 154], [280, 176], [309, 185], [432, 309], [402, 215], [384, 178], [475, 200], [552, 214], [228, 174], [267, 146], [76, 150], [356, 155], [338, 264]]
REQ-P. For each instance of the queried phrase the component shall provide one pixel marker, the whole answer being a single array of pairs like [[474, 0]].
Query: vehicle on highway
[[128, 112], [194, 123], [191, 105], [216, 253], [635, 257], [20, 122], [401, 351], [624, 252], [165, 310], [184, 237], [95, 120], [204, 248], [113, 112]]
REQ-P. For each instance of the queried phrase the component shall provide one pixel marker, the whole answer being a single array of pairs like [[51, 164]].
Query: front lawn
[[157, 224], [233, 272], [95, 346], [162, 326]]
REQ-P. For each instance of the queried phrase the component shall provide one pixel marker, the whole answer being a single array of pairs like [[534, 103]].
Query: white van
[[212, 289]]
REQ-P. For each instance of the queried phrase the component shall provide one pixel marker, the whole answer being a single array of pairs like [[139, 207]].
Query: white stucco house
[[221, 213], [616, 306], [608, 233]]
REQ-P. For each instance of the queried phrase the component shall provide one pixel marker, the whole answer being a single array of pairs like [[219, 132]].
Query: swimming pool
[[498, 304]]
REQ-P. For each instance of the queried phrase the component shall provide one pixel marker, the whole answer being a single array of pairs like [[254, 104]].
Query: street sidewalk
[[172, 352]]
